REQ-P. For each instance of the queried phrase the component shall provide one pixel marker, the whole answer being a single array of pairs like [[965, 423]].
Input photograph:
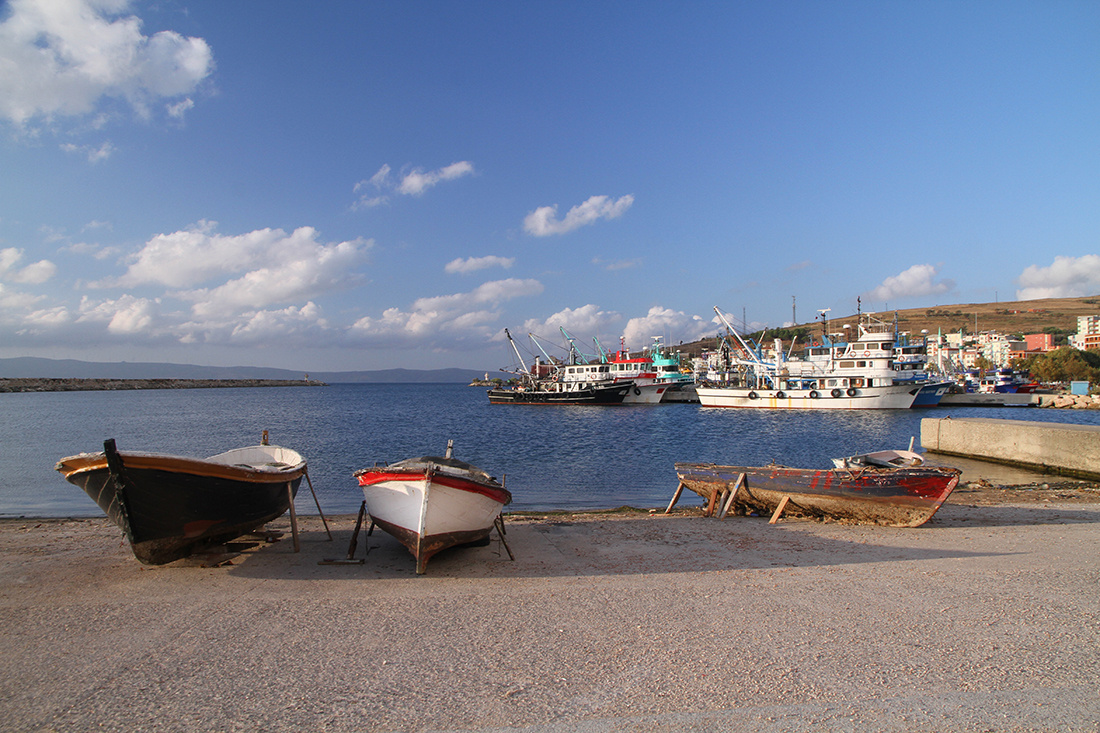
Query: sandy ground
[[985, 619]]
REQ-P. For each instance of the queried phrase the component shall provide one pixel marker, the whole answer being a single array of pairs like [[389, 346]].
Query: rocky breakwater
[[1069, 401], [79, 385]]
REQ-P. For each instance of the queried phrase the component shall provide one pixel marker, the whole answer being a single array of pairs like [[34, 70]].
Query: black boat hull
[[170, 508], [609, 395]]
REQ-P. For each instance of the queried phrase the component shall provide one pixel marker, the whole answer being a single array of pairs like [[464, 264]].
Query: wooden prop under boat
[[901, 497], [432, 503], [171, 506]]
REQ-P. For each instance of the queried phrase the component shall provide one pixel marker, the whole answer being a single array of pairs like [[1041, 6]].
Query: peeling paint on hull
[[901, 497]]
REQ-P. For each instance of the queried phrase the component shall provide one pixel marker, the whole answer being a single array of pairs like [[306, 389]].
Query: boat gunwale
[[496, 492], [136, 460]]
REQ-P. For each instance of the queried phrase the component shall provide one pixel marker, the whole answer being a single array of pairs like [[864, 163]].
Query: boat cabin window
[[847, 364]]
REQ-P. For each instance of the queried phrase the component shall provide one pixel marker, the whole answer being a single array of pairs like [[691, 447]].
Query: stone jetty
[[1070, 401], [78, 385]]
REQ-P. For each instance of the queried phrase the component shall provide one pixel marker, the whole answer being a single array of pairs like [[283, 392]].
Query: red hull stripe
[[499, 495]]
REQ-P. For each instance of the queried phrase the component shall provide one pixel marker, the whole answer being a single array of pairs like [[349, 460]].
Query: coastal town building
[[963, 351], [1088, 333]]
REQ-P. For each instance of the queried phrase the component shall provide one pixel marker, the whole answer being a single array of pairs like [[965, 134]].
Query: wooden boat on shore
[[900, 497], [172, 506], [432, 503]]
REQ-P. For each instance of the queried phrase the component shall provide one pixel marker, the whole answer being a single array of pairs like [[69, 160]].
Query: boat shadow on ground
[[654, 544]]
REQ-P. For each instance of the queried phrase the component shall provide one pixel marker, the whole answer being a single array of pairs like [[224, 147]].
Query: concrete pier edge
[[1056, 448]]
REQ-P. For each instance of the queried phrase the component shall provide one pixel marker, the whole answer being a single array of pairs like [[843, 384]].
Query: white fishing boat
[[641, 372], [432, 503], [849, 376]]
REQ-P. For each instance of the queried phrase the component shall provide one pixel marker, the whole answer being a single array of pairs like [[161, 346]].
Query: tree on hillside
[[983, 364], [1064, 364]]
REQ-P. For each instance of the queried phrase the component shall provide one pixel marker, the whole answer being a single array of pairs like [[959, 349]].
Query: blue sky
[[346, 185]]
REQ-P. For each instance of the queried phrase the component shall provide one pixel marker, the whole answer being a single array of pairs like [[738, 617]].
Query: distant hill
[[35, 367], [1007, 317]]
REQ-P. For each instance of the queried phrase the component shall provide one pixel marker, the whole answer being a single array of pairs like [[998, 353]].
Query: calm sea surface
[[550, 457]]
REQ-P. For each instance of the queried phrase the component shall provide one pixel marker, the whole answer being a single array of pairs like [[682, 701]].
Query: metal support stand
[[499, 524], [325, 521], [350, 559]]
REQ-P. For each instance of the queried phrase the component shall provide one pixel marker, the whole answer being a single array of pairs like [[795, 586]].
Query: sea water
[[550, 457]]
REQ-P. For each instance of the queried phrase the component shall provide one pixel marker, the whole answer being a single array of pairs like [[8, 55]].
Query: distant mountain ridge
[[29, 367]]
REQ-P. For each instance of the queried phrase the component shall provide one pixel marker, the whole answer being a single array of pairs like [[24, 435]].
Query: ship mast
[[519, 358]]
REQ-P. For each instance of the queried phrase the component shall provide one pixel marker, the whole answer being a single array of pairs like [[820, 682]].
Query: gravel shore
[[985, 619]]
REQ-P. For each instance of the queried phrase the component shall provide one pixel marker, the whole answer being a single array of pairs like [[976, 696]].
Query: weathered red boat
[[900, 497]]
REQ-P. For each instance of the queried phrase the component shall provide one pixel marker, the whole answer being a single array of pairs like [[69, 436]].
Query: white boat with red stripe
[[432, 503]]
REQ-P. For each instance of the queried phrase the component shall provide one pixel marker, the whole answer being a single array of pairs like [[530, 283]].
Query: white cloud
[[376, 190], [92, 153], [918, 280], [97, 251], [543, 221], [451, 316], [676, 325], [613, 265], [473, 264], [180, 108], [299, 275], [186, 258], [34, 273], [292, 325], [1067, 277], [13, 300], [63, 58], [417, 181], [588, 319], [125, 315]]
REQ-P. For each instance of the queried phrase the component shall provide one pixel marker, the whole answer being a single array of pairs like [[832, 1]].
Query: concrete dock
[[1068, 450]]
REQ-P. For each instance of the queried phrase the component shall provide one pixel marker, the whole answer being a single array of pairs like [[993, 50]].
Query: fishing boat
[[640, 370], [171, 506], [432, 503], [846, 376], [911, 368], [900, 497], [548, 383]]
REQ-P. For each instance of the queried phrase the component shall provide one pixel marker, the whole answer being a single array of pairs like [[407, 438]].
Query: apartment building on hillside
[[1088, 333]]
